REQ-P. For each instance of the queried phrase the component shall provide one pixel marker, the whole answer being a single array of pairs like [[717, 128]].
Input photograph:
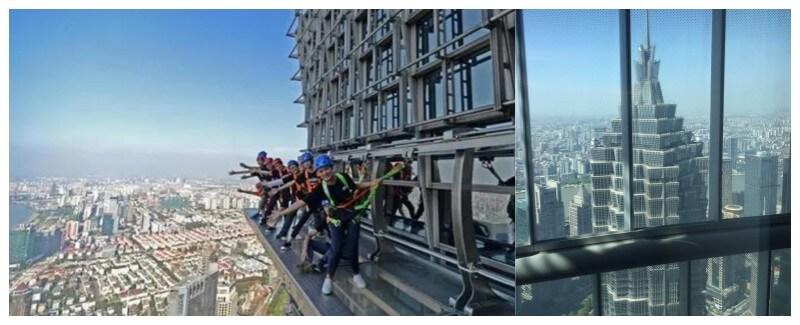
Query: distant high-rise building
[[727, 181], [549, 211], [761, 184], [146, 222], [110, 224], [226, 299], [19, 244], [668, 188], [580, 213], [71, 229], [87, 228], [195, 296], [786, 195], [733, 149], [20, 302]]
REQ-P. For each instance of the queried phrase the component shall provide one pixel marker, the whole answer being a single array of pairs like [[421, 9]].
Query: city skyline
[[171, 93], [586, 60]]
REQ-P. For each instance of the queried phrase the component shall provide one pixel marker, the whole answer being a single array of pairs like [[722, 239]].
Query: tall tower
[[668, 188], [761, 184]]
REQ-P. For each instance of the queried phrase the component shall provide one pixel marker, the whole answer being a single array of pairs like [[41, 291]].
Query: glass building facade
[[660, 189], [432, 89]]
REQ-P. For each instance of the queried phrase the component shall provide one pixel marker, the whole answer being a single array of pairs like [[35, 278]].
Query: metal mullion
[[717, 115], [768, 289], [597, 293], [626, 114], [762, 285], [523, 117], [685, 288]]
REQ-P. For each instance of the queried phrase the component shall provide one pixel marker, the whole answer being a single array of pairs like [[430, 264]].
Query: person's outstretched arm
[[275, 191], [292, 208], [247, 192]]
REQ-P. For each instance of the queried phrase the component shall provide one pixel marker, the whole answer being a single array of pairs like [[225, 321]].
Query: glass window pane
[[493, 223], [426, 39], [571, 52], [565, 297], [670, 77], [781, 291], [757, 103], [470, 83], [432, 92]]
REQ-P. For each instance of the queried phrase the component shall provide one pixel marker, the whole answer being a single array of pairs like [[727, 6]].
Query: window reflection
[[426, 40], [432, 95], [566, 297], [471, 83]]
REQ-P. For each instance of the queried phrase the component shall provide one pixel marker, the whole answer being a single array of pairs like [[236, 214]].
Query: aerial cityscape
[[134, 247]]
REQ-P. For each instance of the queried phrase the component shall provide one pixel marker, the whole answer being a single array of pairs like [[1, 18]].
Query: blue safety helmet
[[262, 155], [306, 156], [322, 161], [292, 163]]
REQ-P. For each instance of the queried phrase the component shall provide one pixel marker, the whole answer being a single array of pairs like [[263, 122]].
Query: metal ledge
[[559, 259]]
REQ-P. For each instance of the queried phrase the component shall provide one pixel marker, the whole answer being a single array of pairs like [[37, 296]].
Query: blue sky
[[150, 92], [573, 60]]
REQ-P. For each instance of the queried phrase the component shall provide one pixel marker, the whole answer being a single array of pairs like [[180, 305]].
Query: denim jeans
[[344, 241]]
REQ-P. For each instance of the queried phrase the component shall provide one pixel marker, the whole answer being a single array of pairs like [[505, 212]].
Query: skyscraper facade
[[197, 296], [550, 210], [668, 188], [761, 184]]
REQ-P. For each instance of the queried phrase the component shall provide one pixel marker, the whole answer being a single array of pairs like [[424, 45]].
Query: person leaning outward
[[305, 181], [286, 192], [336, 194]]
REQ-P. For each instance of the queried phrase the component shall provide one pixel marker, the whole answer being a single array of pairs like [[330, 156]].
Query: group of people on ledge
[[309, 189]]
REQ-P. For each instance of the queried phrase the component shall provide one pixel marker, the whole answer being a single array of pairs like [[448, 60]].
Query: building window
[[471, 83], [391, 111], [432, 95], [375, 109], [454, 22], [426, 39], [385, 63]]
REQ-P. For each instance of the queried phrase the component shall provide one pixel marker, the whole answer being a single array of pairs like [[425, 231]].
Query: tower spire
[[646, 29]]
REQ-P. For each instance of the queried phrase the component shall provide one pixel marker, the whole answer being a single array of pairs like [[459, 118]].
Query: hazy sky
[[150, 92], [573, 60]]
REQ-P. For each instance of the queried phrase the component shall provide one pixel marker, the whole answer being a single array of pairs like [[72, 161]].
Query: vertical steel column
[[379, 223], [762, 285], [626, 114], [597, 294], [429, 215], [684, 288], [717, 117], [476, 293], [496, 49], [522, 117]]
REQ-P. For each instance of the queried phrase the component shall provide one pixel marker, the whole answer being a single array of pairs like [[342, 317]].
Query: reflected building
[[724, 288], [668, 188]]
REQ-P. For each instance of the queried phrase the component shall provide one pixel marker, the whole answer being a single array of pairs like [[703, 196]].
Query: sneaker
[[359, 281], [280, 237], [327, 286], [286, 246]]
